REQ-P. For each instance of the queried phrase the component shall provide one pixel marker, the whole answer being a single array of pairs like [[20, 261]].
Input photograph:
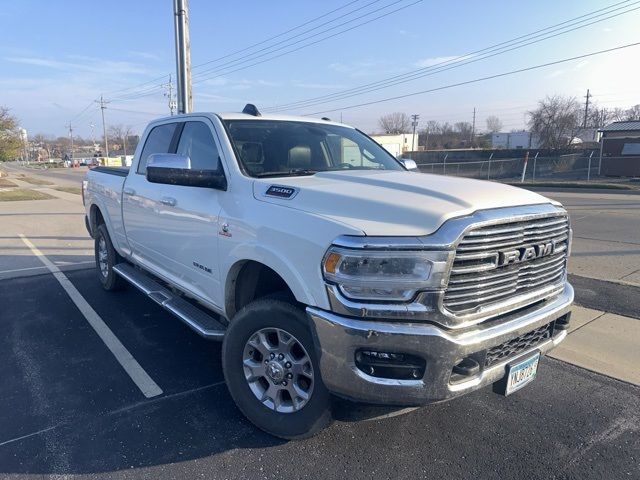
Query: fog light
[[394, 365]]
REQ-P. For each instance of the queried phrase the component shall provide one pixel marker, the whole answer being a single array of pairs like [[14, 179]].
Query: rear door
[[184, 231], [141, 199]]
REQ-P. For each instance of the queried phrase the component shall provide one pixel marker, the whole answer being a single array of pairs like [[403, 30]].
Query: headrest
[[300, 157]]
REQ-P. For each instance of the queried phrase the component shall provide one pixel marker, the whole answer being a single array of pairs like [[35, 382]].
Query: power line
[[289, 31], [459, 61], [155, 80], [245, 58], [306, 45], [490, 77], [135, 111], [150, 89], [85, 109]]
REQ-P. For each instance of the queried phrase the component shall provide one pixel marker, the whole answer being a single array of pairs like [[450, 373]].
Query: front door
[[141, 199], [188, 218]]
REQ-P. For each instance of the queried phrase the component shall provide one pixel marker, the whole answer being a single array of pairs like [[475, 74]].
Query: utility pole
[[169, 95], [586, 109], [473, 127], [183, 55], [70, 127], [103, 105], [93, 136], [414, 124]]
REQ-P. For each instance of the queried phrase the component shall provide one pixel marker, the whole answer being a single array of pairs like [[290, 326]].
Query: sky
[[57, 58]]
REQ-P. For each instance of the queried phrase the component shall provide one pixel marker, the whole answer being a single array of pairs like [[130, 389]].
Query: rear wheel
[[106, 257], [272, 371]]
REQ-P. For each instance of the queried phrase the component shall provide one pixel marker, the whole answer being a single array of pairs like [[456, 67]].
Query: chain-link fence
[[575, 166]]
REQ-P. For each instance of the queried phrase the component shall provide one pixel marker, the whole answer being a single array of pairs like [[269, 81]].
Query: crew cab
[[327, 267]]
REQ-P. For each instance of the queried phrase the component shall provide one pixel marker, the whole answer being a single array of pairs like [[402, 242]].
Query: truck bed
[[120, 171]]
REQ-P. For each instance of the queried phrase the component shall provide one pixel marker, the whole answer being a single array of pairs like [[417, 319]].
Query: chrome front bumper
[[338, 338]]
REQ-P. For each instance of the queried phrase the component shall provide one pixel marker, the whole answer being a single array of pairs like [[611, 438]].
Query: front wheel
[[272, 371]]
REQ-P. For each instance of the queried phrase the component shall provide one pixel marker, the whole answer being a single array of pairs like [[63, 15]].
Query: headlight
[[384, 275]]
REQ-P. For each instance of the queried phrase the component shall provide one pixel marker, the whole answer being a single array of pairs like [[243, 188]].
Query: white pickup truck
[[328, 267]]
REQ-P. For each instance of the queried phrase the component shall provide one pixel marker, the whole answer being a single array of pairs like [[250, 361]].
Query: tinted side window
[[158, 141], [197, 143]]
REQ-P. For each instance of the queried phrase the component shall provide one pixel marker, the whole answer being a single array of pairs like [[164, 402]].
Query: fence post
[[444, 164], [589, 167], [524, 167], [534, 166], [601, 145], [489, 169]]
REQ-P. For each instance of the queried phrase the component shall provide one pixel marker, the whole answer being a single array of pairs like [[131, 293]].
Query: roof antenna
[[251, 109]]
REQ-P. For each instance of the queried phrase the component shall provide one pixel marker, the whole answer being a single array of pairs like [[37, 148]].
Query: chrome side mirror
[[409, 164], [168, 160]]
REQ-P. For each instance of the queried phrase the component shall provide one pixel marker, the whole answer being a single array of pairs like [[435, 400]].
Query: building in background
[[397, 145], [514, 140], [620, 149]]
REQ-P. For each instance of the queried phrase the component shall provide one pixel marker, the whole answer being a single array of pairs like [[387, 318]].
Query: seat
[[299, 157], [252, 157]]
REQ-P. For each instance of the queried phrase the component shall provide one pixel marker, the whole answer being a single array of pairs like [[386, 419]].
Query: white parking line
[[143, 381], [70, 264]]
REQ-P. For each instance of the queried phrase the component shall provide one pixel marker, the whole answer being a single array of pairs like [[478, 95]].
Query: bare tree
[[633, 113], [395, 123], [464, 128], [555, 121], [493, 124], [617, 114], [10, 138], [432, 126], [121, 133]]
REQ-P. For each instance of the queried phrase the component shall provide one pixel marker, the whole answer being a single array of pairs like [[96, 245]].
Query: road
[[606, 234], [67, 407], [60, 176]]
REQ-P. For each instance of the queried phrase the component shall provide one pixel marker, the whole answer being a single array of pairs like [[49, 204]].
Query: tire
[[108, 278], [293, 418]]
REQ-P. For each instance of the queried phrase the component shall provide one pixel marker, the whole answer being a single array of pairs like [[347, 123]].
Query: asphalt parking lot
[[68, 407]]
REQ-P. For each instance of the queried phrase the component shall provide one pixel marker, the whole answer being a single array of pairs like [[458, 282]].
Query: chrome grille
[[479, 280]]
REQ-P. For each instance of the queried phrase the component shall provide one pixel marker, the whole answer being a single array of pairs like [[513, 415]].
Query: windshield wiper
[[288, 173]]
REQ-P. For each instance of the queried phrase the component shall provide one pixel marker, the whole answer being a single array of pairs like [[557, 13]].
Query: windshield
[[276, 148]]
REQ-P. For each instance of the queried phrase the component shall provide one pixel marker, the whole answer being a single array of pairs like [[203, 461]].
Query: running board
[[203, 324]]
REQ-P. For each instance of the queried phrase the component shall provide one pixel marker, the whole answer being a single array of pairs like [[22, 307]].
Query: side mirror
[[172, 169], [409, 164]]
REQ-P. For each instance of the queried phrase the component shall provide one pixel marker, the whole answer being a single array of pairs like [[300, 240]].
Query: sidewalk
[[604, 343], [55, 226]]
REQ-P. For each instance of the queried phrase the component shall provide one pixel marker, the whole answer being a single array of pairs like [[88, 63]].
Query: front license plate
[[521, 373]]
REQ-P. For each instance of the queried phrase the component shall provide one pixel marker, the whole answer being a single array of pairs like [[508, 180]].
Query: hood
[[397, 203]]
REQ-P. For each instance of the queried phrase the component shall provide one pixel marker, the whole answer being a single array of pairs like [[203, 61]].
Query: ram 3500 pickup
[[327, 267]]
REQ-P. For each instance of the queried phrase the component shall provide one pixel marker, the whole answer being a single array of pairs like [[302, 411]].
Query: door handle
[[169, 201], [128, 191]]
